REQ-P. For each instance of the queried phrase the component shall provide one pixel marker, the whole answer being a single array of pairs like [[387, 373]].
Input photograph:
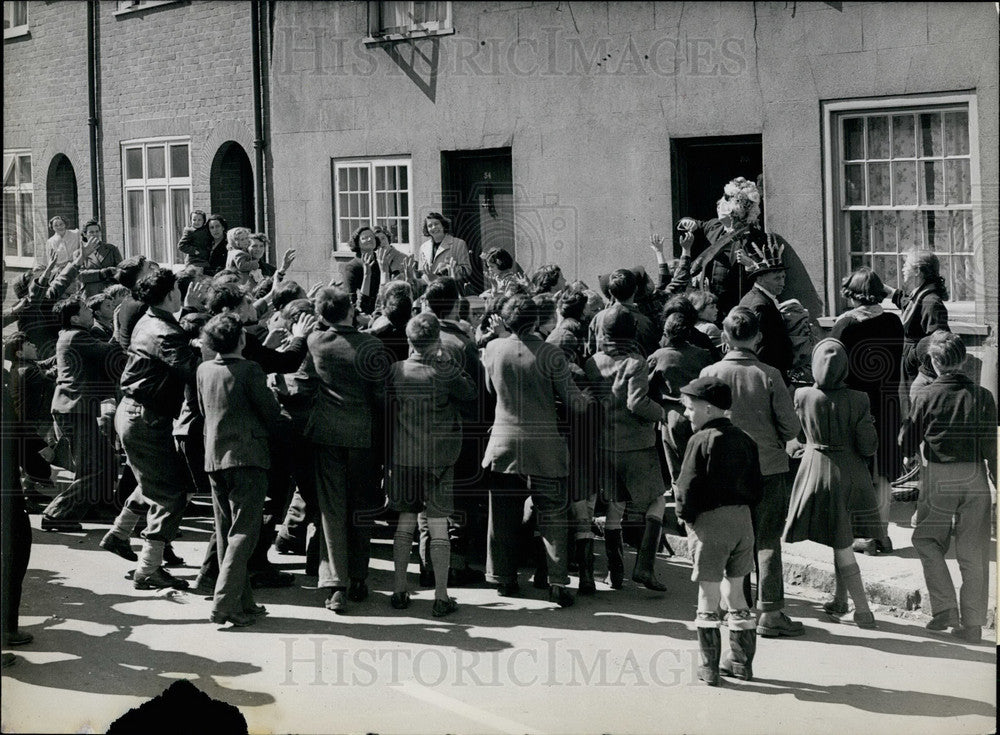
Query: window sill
[[19, 261], [145, 6], [16, 32], [390, 38]]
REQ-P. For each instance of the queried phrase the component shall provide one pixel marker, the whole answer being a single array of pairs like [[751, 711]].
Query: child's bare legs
[[402, 546], [732, 594], [709, 597]]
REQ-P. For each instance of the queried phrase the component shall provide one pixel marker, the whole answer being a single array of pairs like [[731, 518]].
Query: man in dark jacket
[[86, 374], [161, 363], [767, 270]]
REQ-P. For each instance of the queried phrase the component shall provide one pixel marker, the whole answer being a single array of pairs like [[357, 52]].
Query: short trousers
[[632, 476], [722, 543], [419, 489]]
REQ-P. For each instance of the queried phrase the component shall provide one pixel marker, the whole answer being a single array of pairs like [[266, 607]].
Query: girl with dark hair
[[873, 339], [218, 249], [378, 262]]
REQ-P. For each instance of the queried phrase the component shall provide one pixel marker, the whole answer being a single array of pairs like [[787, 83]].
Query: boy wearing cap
[[719, 481]]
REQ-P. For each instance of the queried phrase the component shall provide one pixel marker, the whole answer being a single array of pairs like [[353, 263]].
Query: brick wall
[[45, 100]]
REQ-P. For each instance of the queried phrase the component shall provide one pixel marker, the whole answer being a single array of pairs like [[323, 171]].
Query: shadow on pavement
[[872, 699], [113, 664]]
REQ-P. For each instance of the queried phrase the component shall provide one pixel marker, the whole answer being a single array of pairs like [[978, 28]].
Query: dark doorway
[[60, 191], [703, 166], [232, 185], [478, 196]]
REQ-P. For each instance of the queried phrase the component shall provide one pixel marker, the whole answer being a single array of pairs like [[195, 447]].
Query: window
[[157, 185], [903, 177], [399, 20], [18, 209], [126, 6], [15, 18], [376, 192]]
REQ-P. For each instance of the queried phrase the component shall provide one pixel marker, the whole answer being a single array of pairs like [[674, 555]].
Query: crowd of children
[[386, 396]]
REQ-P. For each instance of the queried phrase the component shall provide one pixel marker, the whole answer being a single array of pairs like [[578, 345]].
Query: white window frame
[[837, 254], [21, 260], [18, 30], [124, 7], [169, 184], [338, 164], [376, 29]]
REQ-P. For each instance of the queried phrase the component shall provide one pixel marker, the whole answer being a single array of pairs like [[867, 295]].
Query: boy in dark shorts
[[424, 393], [719, 480]]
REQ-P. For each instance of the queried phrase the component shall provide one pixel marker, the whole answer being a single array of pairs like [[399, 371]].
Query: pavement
[[894, 580], [621, 661]]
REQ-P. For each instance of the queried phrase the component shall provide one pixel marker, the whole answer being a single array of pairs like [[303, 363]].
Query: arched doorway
[[232, 185], [60, 191]]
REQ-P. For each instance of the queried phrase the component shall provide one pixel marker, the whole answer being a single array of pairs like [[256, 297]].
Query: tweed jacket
[[527, 375], [161, 363], [350, 368], [762, 406], [425, 394], [240, 413], [87, 370], [627, 423], [95, 276]]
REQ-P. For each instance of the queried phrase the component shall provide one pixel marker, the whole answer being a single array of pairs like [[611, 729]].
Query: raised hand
[[287, 259], [368, 260], [275, 337], [656, 245], [196, 294], [687, 240], [687, 224], [304, 325]]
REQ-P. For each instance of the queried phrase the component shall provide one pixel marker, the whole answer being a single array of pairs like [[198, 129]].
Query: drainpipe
[[257, 11], [93, 21]]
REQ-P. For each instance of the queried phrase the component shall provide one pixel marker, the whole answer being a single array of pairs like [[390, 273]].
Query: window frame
[[126, 7], [339, 163], [167, 183], [837, 247], [19, 30], [21, 260], [376, 35]]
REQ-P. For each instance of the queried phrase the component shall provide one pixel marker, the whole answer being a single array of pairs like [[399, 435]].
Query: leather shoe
[[270, 577], [944, 620], [444, 607], [170, 558], [119, 546], [561, 596], [160, 579], [17, 638], [337, 602], [835, 608], [358, 591], [508, 589], [56, 524], [969, 633], [257, 611], [782, 626], [400, 600], [649, 581], [238, 620], [287, 545]]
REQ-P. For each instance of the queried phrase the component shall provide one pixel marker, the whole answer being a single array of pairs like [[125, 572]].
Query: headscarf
[[829, 364]]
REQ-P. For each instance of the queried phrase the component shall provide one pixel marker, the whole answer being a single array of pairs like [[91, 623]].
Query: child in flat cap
[[719, 480]]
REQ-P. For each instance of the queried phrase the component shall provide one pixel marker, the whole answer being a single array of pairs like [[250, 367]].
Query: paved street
[[619, 662]]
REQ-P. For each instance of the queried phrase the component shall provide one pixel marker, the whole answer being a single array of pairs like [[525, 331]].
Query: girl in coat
[[833, 481]]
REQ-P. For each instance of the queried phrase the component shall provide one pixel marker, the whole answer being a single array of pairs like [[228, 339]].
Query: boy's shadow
[[873, 699]]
